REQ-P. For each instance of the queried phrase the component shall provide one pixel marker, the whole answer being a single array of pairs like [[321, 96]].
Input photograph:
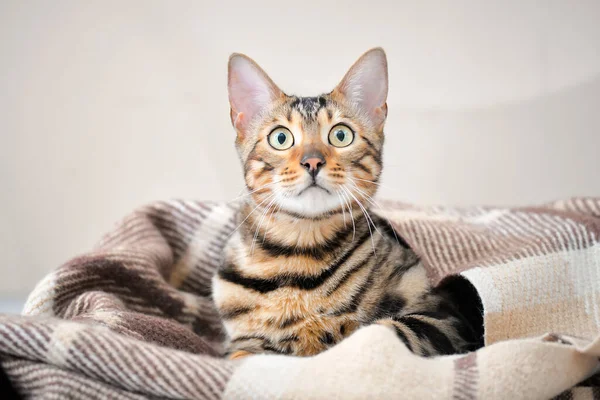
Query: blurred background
[[107, 105]]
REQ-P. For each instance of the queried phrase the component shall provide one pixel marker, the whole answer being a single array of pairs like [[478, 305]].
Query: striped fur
[[302, 300], [308, 264]]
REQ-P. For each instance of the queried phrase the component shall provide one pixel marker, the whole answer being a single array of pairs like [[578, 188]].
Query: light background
[[106, 105]]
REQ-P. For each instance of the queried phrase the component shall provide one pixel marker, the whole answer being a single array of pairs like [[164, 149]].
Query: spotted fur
[[309, 263]]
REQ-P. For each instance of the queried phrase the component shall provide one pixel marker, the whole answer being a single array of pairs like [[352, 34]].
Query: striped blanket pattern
[[133, 318]]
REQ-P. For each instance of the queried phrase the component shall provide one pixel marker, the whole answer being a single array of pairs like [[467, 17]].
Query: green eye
[[341, 136], [281, 139]]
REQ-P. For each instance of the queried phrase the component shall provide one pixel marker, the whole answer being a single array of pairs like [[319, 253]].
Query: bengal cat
[[309, 264]]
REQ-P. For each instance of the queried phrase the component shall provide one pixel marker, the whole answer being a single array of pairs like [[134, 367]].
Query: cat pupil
[[281, 138], [340, 135]]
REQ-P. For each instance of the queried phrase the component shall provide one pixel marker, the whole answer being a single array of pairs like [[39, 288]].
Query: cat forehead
[[308, 107]]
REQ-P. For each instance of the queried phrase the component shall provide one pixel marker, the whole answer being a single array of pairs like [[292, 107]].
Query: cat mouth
[[315, 186]]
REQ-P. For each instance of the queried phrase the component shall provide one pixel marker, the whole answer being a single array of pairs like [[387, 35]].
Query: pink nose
[[313, 164]]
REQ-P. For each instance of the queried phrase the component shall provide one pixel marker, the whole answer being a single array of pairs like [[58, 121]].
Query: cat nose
[[313, 164]]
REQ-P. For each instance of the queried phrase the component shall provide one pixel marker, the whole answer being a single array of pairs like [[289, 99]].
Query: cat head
[[310, 155]]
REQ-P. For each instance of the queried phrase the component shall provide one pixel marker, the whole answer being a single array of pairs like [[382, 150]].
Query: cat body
[[309, 263]]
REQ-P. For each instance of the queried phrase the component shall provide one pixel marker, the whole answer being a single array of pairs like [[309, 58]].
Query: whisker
[[365, 180], [381, 185], [253, 191], [368, 197], [251, 212], [347, 202], [260, 224], [372, 201], [369, 215], [343, 207], [366, 217], [275, 209], [365, 195]]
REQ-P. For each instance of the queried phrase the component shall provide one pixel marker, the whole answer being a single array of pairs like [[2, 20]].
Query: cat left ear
[[365, 85], [251, 91]]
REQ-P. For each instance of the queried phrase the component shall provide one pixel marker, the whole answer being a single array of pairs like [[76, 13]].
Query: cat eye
[[281, 138], [341, 136]]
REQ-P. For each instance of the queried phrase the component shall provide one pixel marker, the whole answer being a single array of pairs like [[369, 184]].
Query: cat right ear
[[251, 91]]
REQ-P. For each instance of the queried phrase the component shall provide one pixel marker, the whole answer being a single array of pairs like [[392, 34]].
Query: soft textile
[[133, 318]]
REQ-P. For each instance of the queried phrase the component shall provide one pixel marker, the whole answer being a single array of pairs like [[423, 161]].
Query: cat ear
[[366, 85], [250, 91]]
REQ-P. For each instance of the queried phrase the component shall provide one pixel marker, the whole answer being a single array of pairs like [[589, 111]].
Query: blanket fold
[[133, 318]]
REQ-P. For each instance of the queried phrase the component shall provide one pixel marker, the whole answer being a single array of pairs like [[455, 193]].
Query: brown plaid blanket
[[133, 318]]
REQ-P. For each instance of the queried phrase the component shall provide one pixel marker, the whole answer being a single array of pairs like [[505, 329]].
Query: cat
[[309, 264]]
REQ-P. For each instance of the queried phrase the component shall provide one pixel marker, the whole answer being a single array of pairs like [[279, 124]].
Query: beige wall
[[106, 105]]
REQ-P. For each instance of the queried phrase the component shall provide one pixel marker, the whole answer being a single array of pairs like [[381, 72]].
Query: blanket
[[133, 317]]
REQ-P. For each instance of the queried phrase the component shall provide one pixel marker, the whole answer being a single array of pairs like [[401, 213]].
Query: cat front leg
[[432, 327], [247, 345]]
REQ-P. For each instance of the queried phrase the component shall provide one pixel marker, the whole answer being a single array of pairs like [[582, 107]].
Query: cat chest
[[303, 322]]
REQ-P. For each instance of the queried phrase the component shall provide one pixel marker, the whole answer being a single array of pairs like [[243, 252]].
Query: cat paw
[[236, 355], [387, 322]]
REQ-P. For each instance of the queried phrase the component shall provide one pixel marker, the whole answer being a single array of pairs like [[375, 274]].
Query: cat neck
[[275, 225]]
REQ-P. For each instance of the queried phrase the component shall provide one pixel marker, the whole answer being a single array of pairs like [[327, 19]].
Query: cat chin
[[311, 203]]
